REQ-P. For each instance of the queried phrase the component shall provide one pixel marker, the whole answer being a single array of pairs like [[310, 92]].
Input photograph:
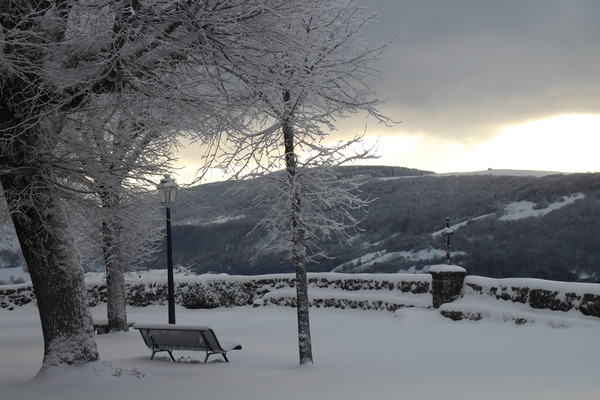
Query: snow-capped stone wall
[[12, 296], [363, 291], [482, 297], [358, 291]]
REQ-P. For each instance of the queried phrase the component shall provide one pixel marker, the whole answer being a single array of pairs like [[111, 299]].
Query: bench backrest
[[211, 340], [172, 339]]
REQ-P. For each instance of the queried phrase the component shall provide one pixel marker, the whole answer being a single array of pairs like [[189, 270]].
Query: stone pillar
[[446, 283]]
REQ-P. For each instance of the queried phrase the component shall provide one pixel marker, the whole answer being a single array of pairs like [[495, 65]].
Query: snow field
[[416, 354]]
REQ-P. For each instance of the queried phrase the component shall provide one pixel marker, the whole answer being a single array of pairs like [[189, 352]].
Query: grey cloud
[[461, 67]]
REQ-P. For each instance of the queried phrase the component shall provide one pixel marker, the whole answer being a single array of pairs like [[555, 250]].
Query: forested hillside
[[505, 226]]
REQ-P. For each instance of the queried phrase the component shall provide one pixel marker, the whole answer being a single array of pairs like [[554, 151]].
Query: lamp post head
[[167, 191]]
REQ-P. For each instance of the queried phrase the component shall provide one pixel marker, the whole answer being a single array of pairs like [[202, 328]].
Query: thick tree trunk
[[298, 250], [54, 263], [116, 299]]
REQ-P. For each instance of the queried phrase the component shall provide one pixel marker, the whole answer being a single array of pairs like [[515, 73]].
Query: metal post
[[170, 280], [167, 191]]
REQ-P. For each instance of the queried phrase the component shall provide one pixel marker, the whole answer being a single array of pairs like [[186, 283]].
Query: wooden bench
[[184, 337]]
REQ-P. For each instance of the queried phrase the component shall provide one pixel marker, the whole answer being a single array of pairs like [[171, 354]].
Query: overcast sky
[[462, 71], [478, 84]]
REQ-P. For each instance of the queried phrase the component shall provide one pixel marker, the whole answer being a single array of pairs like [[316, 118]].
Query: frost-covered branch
[[293, 96], [91, 94]]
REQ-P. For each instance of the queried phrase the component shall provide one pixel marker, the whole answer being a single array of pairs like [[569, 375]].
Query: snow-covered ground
[[10, 275], [416, 354]]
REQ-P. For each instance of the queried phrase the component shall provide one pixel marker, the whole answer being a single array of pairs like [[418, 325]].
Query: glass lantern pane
[[172, 195], [162, 195]]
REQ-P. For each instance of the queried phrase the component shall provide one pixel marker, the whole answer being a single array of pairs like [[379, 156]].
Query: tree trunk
[[54, 263], [116, 299], [298, 249], [302, 306]]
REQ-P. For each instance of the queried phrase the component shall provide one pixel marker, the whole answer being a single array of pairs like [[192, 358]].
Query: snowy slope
[[525, 209], [520, 210], [512, 212], [364, 263]]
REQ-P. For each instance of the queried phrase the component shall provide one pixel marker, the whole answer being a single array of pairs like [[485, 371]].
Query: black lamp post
[[167, 190]]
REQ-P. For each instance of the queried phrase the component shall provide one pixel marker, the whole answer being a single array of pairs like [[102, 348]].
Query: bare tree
[[318, 73], [122, 142], [58, 58]]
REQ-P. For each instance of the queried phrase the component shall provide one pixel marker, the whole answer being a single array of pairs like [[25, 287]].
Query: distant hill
[[506, 223]]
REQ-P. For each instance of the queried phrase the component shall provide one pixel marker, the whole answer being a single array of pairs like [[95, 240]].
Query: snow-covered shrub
[[213, 294], [145, 294], [198, 295], [590, 305], [96, 294]]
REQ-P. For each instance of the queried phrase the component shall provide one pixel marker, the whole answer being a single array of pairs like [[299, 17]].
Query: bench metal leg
[[154, 351], [210, 354]]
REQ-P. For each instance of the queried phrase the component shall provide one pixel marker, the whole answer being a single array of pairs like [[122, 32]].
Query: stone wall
[[12, 296], [355, 291], [523, 300], [366, 291], [539, 294]]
